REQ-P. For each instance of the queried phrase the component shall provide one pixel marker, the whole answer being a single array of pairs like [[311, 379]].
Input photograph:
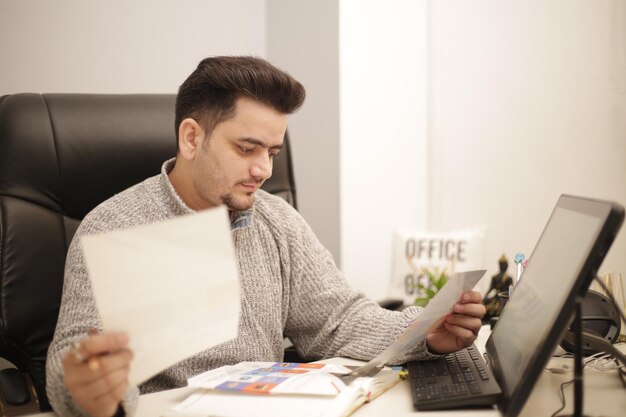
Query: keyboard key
[[474, 388]]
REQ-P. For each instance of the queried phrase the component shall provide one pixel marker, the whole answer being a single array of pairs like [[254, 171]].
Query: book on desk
[[276, 389]]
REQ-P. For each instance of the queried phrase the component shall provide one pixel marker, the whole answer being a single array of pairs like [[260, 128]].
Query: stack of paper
[[266, 389]]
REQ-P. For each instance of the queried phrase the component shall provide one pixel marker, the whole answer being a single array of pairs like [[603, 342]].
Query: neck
[[180, 178]]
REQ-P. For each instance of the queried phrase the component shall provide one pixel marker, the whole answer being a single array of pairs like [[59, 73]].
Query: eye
[[274, 153], [246, 149]]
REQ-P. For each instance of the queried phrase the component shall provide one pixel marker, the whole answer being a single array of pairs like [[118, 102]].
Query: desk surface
[[604, 396]]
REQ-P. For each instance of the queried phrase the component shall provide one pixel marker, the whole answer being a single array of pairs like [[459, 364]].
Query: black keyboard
[[459, 379]]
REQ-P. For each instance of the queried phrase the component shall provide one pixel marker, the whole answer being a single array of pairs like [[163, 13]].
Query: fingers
[[99, 392], [460, 328], [90, 349], [470, 297], [107, 363], [470, 304], [463, 325], [472, 310], [110, 388], [464, 329], [463, 336], [97, 344], [98, 389], [103, 388]]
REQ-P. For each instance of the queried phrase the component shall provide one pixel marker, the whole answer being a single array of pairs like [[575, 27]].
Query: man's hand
[[96, 372], [459, 329]]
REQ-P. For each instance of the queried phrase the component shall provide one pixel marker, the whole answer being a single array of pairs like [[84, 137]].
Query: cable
[[598, 361], [562, 396], [602, 361]]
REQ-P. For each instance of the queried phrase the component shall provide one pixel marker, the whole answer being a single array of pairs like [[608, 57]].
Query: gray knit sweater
[[290, 287]]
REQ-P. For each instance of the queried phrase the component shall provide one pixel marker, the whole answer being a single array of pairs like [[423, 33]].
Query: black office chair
[[60, 156]]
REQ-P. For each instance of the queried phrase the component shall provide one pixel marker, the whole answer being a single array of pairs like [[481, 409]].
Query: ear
[[190, 137]]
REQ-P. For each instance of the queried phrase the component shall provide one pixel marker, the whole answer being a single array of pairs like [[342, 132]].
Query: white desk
[[604, 396]]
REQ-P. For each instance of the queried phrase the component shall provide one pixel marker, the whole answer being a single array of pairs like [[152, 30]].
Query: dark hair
[[209, 94]]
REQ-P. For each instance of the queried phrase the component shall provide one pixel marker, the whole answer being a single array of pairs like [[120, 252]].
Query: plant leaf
[[421, 302], [442, 281]]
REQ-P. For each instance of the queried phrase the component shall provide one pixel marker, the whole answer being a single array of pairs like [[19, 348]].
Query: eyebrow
[[258, 142]]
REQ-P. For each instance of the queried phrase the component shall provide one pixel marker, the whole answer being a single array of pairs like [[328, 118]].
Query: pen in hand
[[95, 371], [92, 361]]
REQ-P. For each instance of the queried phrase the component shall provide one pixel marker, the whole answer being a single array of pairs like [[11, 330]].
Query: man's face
[[237, 158]]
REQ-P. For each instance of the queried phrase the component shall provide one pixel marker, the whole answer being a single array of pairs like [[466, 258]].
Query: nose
[[261, 168]]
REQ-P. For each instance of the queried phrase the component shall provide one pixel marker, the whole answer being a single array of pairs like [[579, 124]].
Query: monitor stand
[[578, 361]]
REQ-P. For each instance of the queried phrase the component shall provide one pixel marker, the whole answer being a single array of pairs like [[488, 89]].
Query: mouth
[[250, 186]]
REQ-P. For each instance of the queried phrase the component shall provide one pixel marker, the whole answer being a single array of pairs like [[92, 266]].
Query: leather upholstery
[[60, 156]]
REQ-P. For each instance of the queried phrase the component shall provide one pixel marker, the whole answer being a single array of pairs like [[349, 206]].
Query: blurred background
[[425, 115]]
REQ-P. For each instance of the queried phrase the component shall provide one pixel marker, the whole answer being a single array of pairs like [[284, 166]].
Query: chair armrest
[[14, 387]]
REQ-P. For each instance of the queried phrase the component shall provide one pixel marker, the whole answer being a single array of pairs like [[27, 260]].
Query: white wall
[[383, 152], [527, 101], [302, 38], [116, 46]]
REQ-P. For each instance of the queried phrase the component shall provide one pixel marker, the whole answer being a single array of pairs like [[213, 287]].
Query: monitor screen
[[565, 259]]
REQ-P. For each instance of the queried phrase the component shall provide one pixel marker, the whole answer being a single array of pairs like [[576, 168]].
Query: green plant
[[436, 280]]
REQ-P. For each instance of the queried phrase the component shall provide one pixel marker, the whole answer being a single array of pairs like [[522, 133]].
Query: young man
[[231, 117]]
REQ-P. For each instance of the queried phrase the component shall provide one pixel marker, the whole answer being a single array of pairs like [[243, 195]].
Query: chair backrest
[[60, 156]]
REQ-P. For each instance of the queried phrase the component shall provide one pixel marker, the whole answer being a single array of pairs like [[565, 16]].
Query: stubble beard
[[235, 204]]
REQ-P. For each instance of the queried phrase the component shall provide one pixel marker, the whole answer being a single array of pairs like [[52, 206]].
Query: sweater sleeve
[[78, 314], [326, 317]]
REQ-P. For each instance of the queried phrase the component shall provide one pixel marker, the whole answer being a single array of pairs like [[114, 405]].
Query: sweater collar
[[238, 219]]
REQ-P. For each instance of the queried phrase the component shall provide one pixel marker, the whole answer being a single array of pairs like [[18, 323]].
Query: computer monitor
[[566, 258]]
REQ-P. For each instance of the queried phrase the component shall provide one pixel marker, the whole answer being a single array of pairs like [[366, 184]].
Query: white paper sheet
[[438, 307], [219, 404], [172, 286]]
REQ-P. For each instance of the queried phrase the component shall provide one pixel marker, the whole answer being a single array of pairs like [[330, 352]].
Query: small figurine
[[499, 283]]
